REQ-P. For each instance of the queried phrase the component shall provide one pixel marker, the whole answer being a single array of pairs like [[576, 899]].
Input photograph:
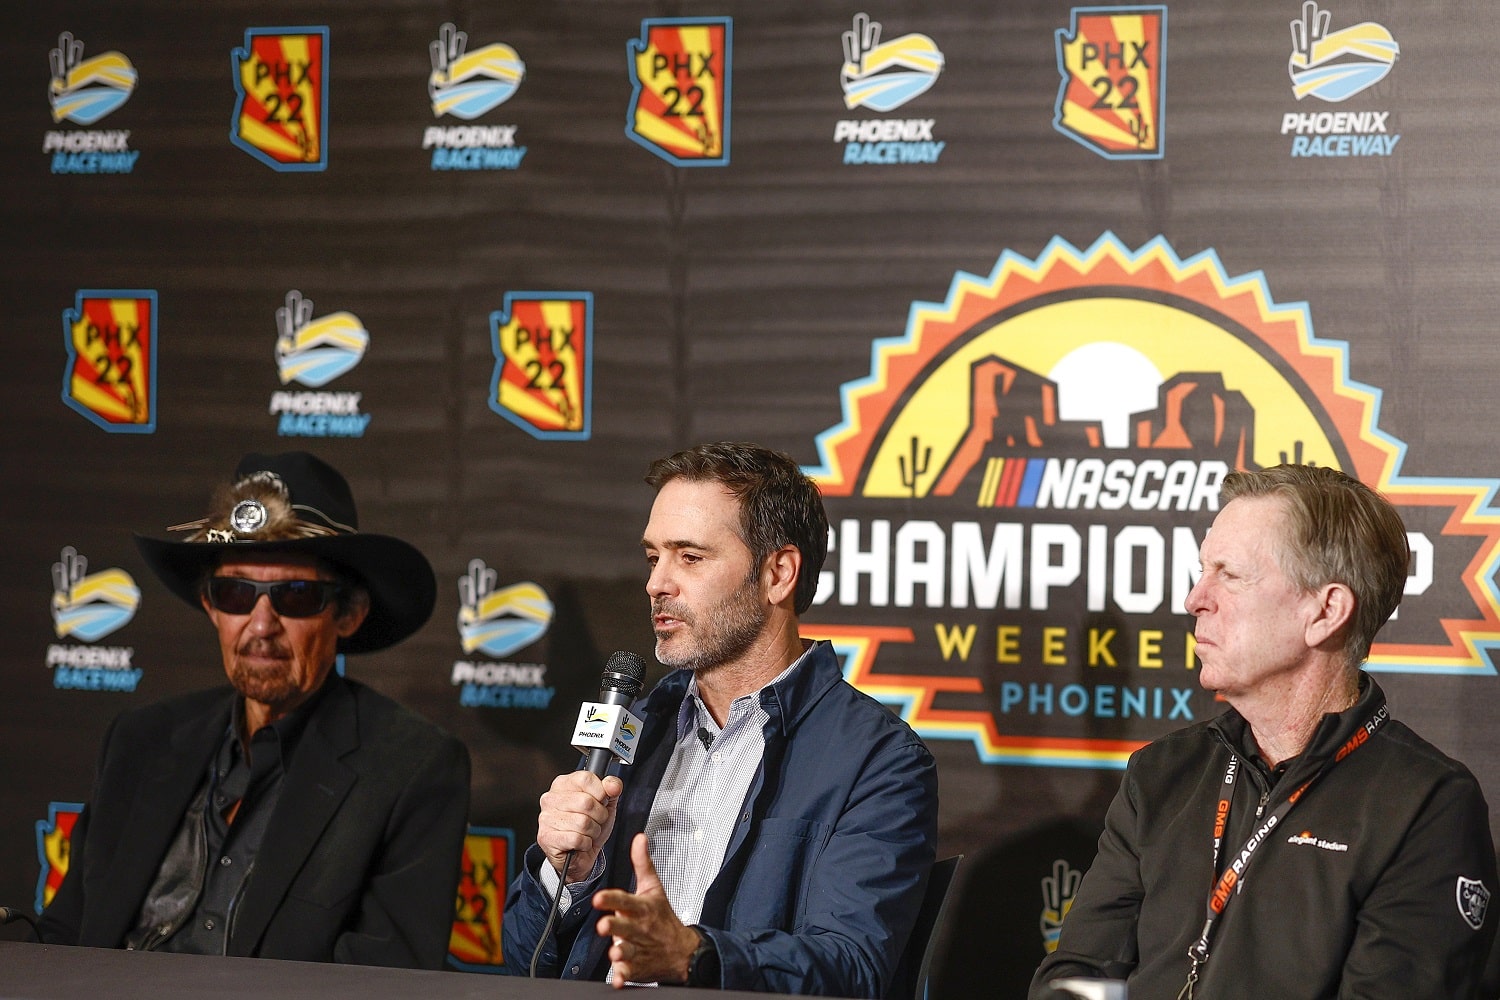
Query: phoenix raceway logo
[[1113, 97], [313, 352], [497, 623], [281, 108], [110, 373], [485, 872], [468, 85], [544, 363], [679, 100], [54, 838], [1019, 487], [1058, 892], [89, 606], [82, 91], [883, 76], [1334, 66]]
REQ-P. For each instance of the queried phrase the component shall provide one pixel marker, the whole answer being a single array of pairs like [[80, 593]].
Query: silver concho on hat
[[248, 517]]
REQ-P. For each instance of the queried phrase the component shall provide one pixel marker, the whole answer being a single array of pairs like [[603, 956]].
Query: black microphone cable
[[10, 914]]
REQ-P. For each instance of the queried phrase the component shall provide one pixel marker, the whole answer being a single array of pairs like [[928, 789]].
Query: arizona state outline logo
[[1112, 99], [54, 838], [680, 75], [110, 376], [1019, 488], [281, 111], [543, 380], [474, 945]]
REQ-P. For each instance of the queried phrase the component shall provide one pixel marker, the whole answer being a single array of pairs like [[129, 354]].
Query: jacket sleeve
[[863, 888], [526, 906], [1415, 936], [405, 913], [1098, 937]]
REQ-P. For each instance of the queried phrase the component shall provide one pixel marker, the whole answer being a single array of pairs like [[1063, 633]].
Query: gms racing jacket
[[1374, 883]]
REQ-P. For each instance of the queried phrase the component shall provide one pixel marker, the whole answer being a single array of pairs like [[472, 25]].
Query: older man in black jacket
[[294, 814]]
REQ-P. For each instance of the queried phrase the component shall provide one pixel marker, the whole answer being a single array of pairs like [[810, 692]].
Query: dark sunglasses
[[289, 598]]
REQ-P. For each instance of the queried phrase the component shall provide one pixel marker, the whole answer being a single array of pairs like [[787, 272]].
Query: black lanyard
[[1233, 874]]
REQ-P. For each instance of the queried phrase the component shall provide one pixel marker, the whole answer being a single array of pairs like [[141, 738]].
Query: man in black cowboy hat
[[298, 815]]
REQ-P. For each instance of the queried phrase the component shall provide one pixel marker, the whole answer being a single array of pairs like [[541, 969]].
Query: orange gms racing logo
[[543, 380], [1114, 81], [110, 376], [679, 107], [281, 113]]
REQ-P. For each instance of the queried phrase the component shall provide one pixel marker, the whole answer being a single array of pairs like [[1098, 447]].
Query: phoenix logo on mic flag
[[281, 113], [610, 727], [543, 380], [85, 90], [1114, 81], [110, 376], [680, 74]]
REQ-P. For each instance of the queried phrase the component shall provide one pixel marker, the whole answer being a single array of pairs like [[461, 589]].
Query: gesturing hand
[[650, 943]]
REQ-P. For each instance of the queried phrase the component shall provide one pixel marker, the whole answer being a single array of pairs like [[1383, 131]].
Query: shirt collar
[[693, 713]]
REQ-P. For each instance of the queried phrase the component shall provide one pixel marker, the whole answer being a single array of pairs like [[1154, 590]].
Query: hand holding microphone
[[578, 811]]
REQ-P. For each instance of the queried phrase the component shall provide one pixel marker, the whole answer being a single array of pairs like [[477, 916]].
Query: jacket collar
[[1333, 732], [787, 701], [312, 791]]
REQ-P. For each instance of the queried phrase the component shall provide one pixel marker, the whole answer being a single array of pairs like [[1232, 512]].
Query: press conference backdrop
[[1017, 283]]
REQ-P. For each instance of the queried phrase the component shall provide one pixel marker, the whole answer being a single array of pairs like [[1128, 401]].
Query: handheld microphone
[[606, 729]]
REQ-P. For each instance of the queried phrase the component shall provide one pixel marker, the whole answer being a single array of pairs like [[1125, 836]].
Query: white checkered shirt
[[702, 795]]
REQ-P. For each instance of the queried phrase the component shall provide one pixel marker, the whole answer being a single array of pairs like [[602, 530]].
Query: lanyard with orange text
[[1233, 874]]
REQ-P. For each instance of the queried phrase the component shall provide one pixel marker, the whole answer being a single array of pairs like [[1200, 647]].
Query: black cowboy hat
[[298, 504]]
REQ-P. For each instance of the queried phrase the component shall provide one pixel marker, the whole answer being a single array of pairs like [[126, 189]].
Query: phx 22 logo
[[110, 376], [679, 102], [1113, 96], [1019, 487], [543, 381], [281, 111]]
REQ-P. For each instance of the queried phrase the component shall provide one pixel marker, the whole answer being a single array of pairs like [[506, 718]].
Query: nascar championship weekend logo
[[1018, 490]]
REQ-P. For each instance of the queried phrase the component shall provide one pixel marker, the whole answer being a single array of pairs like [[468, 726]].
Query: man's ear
[[780, 573], [1334, 613]]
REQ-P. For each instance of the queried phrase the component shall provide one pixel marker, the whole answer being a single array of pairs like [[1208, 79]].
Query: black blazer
[[360, 862]]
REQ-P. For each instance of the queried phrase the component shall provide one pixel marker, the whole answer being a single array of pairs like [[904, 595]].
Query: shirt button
[[226, 861], [208, 925], [698, 835]]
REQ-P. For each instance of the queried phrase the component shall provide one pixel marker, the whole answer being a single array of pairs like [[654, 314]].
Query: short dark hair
[[1340, 531], [779, 504]]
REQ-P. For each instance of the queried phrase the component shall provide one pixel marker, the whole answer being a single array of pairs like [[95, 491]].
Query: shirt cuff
[[548, 877]]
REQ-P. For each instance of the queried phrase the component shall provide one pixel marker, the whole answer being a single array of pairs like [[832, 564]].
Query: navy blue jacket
[[828, 861]]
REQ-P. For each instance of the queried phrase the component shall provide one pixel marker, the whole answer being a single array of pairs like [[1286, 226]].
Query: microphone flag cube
[[610, 727]]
